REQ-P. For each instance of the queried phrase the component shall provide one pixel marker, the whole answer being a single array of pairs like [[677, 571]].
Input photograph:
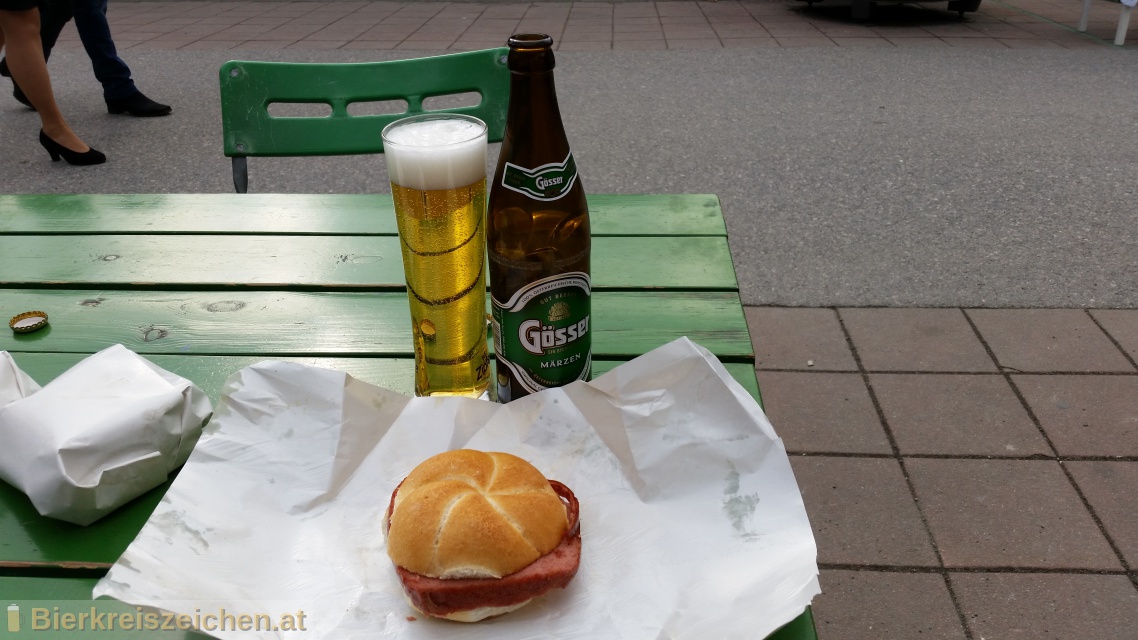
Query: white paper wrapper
[[14, 383], [692, 523], [104, 432]]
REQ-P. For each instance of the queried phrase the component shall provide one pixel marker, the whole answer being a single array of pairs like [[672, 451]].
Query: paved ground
[[969, 473], [908, 176], [967, 464], [593, 26]]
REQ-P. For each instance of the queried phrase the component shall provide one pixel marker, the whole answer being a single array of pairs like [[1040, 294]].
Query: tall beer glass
[[437, 165]]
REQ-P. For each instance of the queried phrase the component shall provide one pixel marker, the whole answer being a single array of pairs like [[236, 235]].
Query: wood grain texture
[[320, 262], [288, 323], [318, 214]]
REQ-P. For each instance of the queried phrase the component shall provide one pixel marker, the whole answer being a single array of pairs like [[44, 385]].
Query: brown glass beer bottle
[[537, 237]]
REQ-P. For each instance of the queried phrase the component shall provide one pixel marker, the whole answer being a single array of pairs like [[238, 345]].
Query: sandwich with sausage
[[477, 534]]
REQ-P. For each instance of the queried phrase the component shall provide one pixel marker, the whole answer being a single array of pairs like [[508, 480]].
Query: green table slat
[[283, 262], [351, 214], [74, 594], [338, 324], [31, 541]]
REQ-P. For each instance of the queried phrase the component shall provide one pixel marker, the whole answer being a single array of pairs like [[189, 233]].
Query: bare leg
[[21, 33]]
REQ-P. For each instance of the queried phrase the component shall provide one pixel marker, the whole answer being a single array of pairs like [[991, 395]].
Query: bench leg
[[1086, 15], [1123, 25], [241, 174]]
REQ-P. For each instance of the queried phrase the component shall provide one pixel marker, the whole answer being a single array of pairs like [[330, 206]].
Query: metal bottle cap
[[28, 322]]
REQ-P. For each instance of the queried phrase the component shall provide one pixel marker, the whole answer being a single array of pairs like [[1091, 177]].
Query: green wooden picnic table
[[206, 284]]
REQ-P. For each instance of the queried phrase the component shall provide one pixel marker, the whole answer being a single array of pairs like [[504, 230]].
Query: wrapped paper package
[[104, 432], [692, 523]]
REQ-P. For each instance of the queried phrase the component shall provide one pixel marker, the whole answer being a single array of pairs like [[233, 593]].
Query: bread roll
[[474, 514]]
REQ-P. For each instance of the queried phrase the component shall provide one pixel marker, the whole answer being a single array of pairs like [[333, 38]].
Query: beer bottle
[[537, 237]]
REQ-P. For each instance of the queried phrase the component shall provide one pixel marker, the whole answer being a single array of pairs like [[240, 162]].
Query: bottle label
[[548, 182], [542, 333]]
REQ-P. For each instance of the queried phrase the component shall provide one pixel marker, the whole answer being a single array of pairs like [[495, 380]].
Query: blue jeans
[[91, 23]]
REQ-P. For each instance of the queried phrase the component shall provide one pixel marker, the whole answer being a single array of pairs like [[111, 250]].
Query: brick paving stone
[[954, 31], [252, 45], [638, 35], [919, 42], [162, 44], [792, 31], [633, 9], [847, 32], [631, 22], [688, 31], [1108, 487], [915, 340], [380, 45], [822, 412], [956, 415], [694, 43], [741, 31], [974, 43], [861, 511], [871, 41], [876, 605], [219, 45], [318, 44], [585, 36], [1122, 325], [603, 45], [748, 43], [1044, 606], [1048, 340], [787, 338], [902, 32], [1085, 415], [1004, 31], [1029, 43], [1008, 513], [804, 41], [1081, 44], [639, 45]]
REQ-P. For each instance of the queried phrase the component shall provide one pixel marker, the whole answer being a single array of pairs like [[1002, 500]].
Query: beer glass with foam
[[437, 165]]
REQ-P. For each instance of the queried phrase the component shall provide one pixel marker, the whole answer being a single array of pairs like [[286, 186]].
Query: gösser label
[[542, 333]]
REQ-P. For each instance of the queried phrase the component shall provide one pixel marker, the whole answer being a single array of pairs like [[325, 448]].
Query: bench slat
[[626, 324], [347, 214], [291, 262]]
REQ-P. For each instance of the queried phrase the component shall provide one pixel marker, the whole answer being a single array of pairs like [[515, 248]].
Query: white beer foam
[[436, 154]]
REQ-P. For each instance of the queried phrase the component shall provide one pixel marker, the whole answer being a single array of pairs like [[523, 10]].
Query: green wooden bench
[[204, 285]]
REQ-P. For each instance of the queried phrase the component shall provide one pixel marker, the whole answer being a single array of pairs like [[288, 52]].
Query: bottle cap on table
[[28, 322]]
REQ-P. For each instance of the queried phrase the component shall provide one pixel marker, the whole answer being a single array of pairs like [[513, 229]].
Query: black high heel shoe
[[56, 150], [17, 92]]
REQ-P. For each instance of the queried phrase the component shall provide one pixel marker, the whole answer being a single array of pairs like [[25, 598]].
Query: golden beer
[[437, 165]]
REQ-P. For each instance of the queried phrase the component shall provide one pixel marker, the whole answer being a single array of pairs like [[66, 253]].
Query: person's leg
[[54, 15], [111, 71], [25, 60]]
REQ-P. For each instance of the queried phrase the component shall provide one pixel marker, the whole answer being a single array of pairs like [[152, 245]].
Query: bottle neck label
[[542, 333], [548, 182]]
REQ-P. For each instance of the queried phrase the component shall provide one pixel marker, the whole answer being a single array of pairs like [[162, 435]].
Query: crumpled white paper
[[104, 432], [14, 383], [692, 523]]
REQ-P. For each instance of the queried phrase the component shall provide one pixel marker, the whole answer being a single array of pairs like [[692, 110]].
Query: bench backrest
[[248, 88]]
